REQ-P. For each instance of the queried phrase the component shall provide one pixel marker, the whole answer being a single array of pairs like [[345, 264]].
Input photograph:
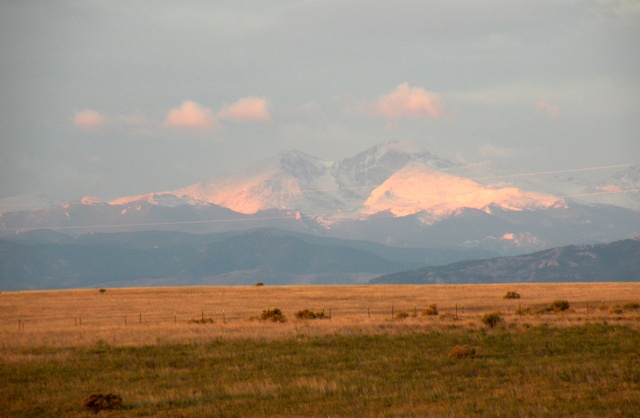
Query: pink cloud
[[191, 115], [249, 109], [89, 119], [550, 109], [407, 101]]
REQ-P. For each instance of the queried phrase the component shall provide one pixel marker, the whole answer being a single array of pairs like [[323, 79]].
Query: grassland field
[[374, 355]]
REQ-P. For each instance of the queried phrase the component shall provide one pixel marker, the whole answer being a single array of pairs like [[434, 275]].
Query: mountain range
[[393, 194], [614, 262], [45, 259]]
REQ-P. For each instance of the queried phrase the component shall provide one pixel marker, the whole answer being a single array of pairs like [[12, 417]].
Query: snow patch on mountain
[[164, 199], [418, 188]]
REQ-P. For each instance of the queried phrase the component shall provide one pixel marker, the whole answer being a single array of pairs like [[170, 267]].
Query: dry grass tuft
[[463, 351], [308, 314], [430, 310], [97, 402]]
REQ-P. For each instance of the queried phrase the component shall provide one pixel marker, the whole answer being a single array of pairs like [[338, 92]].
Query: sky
[[114, 98]]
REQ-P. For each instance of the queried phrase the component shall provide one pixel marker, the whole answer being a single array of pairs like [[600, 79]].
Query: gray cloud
[[490, 63]]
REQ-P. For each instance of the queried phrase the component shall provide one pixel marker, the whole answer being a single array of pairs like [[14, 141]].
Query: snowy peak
[[418, 188], [375, 165], [280, 182]]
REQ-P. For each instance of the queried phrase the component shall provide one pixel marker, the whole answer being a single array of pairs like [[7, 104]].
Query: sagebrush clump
[[98, 402], [401, 315], [273, 315], [201, 321], [511, 295], [463, 351], [492, 319], [308, 314], [559, 305], [430, 310]]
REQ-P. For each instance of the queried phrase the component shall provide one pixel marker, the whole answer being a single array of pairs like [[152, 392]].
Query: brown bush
[[401, 315], [273, 315], [492, 319], [307, 314], [463, 351], [616, 309], [201, 321], [511, 295], [559, 305], [98, 402], [430, 310]]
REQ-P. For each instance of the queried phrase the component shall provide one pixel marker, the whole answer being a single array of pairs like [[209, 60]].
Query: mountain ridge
[[616, 261]]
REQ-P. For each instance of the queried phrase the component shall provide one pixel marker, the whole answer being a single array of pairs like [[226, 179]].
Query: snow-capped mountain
[[392, 193], [393, 177]]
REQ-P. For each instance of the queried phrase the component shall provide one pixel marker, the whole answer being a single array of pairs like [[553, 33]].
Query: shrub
[[492, 319], [511, 295], [463, 351], [98, 402], [307, 314], [273, 315], [616, 309], [201, 321], [102, 290], [430, 310], [257, 284], [559, 305], [630, 306], [401, 315]]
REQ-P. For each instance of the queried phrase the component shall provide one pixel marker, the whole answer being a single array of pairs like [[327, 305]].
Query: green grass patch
[[586, 370]]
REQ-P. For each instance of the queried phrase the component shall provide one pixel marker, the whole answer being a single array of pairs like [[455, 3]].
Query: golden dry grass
[[142, 316]]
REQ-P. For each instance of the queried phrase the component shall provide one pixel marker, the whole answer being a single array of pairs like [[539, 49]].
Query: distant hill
[[617, 261], [52, 260]]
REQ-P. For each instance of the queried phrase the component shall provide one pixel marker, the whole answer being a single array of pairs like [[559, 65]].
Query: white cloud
[[192, 116], [408, 102], [89, 119], [248, 109]]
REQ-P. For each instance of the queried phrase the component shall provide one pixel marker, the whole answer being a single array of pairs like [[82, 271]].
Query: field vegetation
[[215, 351]]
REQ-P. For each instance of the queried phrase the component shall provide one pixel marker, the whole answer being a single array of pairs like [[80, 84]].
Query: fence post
[[140, 318], [587, 310], [392, 311], [369, 311], [174, 318], [125, 320], [224, 320], [456, 311]]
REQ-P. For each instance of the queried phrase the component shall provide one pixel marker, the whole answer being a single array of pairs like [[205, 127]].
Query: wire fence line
[[125, 318]]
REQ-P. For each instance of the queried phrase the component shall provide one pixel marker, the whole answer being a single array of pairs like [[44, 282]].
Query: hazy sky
[[110, 98]]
